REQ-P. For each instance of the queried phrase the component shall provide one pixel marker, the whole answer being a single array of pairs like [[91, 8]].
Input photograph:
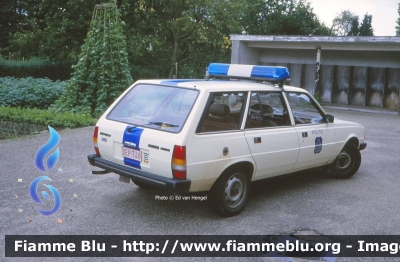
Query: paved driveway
[[368, 203]]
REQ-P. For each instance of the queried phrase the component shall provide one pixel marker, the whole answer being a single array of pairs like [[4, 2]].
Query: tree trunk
[[175, 52]]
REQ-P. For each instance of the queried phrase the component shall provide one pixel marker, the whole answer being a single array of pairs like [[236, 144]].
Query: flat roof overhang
[[353, 43]]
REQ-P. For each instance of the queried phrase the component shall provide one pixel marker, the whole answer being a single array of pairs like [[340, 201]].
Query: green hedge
[[14, 129], [36, 68], [44, 117], [30, 92]]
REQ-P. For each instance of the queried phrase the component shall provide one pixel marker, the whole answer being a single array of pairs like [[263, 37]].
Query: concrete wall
[[327, 74], [243, 54], [392, 88], [328, 57], [350, 85], [358, 86], [362, 78]]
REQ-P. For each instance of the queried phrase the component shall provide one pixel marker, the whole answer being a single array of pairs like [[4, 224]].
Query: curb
[[365, 110]]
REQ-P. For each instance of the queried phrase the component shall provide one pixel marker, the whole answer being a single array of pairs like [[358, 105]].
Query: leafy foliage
[[14, 129], [355, 28], [194, 33], [54, 30], [188, 32], [36, 68], [191, 33], [344, 23], [398, 22], [29, 92], [102, 72], [282, 17], [45, 117], [347, 24], [366, 26], [12, 20]]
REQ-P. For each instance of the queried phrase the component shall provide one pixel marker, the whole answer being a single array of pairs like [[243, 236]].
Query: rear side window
[[155, 106], [224, 112]]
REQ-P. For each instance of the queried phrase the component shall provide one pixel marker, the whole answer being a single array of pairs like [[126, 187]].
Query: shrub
[[44, 117], [102, 72], [36, 68], [14, 129], [30, 92]]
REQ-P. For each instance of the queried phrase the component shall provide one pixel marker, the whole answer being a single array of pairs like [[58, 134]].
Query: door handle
[[257, 140], [304, 134]]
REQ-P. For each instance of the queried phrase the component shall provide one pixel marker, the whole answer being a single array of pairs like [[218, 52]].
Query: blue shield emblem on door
[[318, 145]]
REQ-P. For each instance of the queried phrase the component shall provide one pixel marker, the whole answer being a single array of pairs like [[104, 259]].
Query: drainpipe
[[316, 85], [398, 107]]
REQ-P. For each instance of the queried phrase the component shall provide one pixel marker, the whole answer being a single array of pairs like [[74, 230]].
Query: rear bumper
[[170, 184], [363, 146]]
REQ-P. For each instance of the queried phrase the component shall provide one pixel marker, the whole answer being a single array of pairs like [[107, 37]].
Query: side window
[[304, 110], [267, 109], [224, 112]]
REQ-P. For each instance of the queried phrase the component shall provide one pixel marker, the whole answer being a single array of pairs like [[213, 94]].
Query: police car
[[240, 124]]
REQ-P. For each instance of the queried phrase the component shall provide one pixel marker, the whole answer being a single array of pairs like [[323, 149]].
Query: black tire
[[330, 169], [230, 192], [348, 161], [142, 185]]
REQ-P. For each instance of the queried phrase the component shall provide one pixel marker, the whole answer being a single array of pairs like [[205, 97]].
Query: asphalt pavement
[[366, 204]]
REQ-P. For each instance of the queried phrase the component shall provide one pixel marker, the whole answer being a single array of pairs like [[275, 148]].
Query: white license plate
[[131, 154]]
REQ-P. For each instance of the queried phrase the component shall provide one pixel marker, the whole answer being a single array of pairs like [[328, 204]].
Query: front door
[[316, 137]]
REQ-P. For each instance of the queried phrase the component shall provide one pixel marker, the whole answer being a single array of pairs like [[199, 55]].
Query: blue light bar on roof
[[265, 73]]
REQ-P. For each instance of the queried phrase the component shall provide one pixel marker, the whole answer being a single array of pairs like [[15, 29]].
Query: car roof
[[216, 85]]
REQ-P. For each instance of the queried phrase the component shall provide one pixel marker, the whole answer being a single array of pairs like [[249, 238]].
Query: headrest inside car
[[219, 110]]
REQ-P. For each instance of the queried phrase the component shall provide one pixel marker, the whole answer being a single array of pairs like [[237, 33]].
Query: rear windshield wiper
[[163, 124]]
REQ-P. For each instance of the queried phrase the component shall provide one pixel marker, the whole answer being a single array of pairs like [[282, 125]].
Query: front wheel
[[348, 161], [230, 193]]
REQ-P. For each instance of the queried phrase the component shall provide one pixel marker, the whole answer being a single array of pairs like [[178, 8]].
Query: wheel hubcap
[[234, 191], [343, 160]]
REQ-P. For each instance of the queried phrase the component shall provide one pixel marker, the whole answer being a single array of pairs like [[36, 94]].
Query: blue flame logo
[[39, 163], [33, 192], [45, 149]]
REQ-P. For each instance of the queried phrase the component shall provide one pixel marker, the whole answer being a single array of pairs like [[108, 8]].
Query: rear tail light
[[178, 162], [95, 134]]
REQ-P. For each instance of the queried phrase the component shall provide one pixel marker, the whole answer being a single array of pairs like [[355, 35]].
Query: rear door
[[272, 139], [218, 141]]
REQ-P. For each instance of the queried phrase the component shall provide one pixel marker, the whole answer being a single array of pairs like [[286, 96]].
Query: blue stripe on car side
[[132, 136]]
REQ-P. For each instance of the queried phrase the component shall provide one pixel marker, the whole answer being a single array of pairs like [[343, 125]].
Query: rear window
[[155, 106]]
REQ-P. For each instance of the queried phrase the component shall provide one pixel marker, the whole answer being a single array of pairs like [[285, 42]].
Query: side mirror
[[329, 118]]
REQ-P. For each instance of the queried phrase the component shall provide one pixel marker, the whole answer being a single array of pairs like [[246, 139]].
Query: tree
[[344, 23], [281, 17], [161, 33], [366, 26], [12, 20], [54, 30], [191, 33], [398, 22], [355, 27], [102, 72]]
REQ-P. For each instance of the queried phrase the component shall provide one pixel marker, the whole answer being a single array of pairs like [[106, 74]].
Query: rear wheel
[[230, 192], [348, 161]]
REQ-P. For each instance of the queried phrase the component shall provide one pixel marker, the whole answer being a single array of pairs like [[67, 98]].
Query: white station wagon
[[240, 124]]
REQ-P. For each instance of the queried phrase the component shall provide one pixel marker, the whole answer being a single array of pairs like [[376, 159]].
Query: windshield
[[155, 106]]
